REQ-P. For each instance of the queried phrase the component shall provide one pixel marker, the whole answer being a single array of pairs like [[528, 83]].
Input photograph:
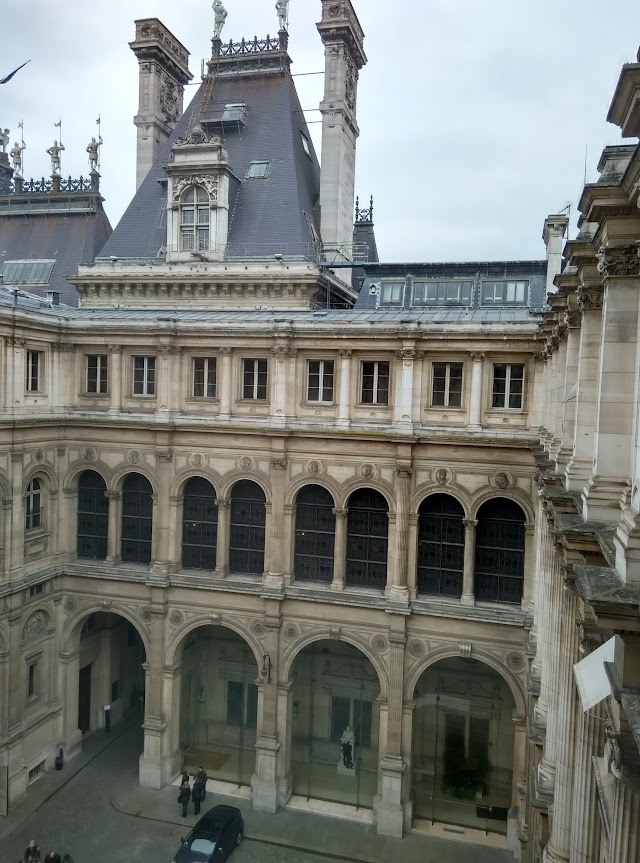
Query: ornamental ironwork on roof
[[364, 214], [47, 185], [250, 54]]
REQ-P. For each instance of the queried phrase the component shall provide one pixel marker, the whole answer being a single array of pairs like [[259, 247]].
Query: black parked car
[[213, 838]]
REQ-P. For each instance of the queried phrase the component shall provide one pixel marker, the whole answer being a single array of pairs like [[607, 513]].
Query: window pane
[[455, 385], [235, 702], [499, 386]]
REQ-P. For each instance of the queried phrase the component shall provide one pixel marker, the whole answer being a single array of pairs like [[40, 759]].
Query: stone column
[[625, 828], [390, 811], [16, 367], [16, 551], [222, 538], [163, 527], [264, 782], [558, 406], [288, 560], [339, 549], [275, 535], [569, 404], [70, 669], [171, 702], [66, 527], [475, 396], [114, 529], [404, 390], [284, 708], [344, 405], [156, 763], [226, 383], [115, 379], [397, 589], [279, 385], [165, 352], [468, 578], [412, 556], [7, 504], [538, 394], [585, 828]]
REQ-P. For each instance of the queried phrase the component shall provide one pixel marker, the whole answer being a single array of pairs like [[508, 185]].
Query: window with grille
[[504, 291], [314, 534], [508, 386], [204, 378], [195, 215], [367, 539], [34, 372], [440, 546], [320, 381], [254, 379], [34, 509], [442, 292], [500, 538], [93, 516], [391, 293], [144, 376], [247, 528], [96, 373], [137, 519], [447, 385], [199, 525], [375, 383]]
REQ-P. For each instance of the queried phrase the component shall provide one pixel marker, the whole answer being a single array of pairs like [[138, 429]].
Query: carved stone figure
[[347, 752], [92, 150], [4, 139], [282, 8], [220, 17], [36, 625], [16, 158], [55, 151]]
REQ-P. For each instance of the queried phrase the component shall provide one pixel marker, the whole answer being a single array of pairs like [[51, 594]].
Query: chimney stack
[[555, 227]]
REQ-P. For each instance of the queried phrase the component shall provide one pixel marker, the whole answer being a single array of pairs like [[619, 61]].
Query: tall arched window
[[500, 537], [93, 516], [137, 519], [199, 524], [315, 534], [246, 531], [440, 546], [194, 220], [34, 509], [367, 539]]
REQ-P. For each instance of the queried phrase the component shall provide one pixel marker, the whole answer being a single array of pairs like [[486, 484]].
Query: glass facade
[[93, 516], [315, 534], [219, 705], [462, 750], [335, 724]]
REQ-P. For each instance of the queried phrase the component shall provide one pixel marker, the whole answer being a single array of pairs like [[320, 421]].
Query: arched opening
[[440, 546], [314, 535], [335, 724], [199, 524], [219, 705], [246, 530], [137, 519], [34, 505], [93, 516], [367, 539], [500, 538], [462, 745]]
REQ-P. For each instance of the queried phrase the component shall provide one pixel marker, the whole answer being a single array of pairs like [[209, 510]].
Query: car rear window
[[201, 846]]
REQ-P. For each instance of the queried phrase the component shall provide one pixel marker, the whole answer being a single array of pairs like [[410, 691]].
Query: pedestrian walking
[[185, 776], [202, 776], [197, 795], [32, 854], [183, 797]]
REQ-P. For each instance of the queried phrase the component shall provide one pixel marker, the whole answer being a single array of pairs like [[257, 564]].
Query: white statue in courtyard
[[4, 139], [282, 8], [92, 150], [55, 152], [346, 764], [16, 158], [221, 15]]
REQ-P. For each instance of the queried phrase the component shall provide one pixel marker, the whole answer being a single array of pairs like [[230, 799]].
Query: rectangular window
[[97, 373], [391, 293], [441, 292], [258, 170], [144, 376], [35, 589], [504, 291], [508, 386], [35, 368], [447, 385], [33, 680], [320, 381], [204, 377], [375, 383], [254, 379]]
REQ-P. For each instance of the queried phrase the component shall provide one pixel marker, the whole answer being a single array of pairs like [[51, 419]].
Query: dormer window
[[194, 220], [305, 145]]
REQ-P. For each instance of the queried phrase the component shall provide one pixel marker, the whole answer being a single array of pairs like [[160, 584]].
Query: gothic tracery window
[[500, 538], [440, 546], [367, 539], [195, 216], [314, 535]]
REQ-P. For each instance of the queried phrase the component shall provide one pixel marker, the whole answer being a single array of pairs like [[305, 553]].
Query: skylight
[[305, 145], [34, 272], [258, 170]]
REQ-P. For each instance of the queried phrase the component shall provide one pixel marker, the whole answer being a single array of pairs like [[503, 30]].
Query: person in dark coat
[[53, 857], [197, 795], [183, 797], [32, 854], [202, 776], [185, 776], [67, 858]]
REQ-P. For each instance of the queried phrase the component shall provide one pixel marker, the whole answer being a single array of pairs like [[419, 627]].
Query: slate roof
[[266, 212]]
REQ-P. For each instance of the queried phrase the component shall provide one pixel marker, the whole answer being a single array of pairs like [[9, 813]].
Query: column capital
[[222, 502], [470, 523], [114, 349], [226, 351], [477, 356], [619, 262], [404, 471], [340, 513], [279, 463], [346, 354], [590, 297], [113, 495]]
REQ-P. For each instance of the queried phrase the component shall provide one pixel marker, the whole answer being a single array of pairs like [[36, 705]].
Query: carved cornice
[[619, 262]]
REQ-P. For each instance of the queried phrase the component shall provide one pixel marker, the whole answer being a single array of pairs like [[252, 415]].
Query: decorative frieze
[[619, 262]]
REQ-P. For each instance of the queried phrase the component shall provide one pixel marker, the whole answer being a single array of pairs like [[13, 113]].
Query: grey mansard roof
[[267, 211]]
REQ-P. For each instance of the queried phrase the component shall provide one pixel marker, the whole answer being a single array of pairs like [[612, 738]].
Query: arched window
[[137, 519], [199, 524], [246, 532], [34, 505], [194, 220], [499, 551], [93, 516], [367, 539], [440, 546], [315, 534]]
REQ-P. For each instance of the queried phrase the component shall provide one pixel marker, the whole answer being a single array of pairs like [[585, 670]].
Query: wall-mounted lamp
[[265, 671]]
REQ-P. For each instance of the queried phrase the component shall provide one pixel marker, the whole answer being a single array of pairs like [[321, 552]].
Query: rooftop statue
[[16, 158], [4, 139], [93, 151], [221, 14], [54, 151], [282, 8]]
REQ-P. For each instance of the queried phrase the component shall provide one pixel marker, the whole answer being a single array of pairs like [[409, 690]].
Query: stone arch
[[41, 471], [72, 476], [259, 480], [73, 626], [481, 655], [32, 616], [183, 476], [121, 473], [453, 491], [179, 636], [512, 494], [354, 639], [360, 483], [307, 479]]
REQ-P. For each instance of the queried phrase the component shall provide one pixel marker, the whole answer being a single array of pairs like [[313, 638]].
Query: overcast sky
[[474, 116]]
